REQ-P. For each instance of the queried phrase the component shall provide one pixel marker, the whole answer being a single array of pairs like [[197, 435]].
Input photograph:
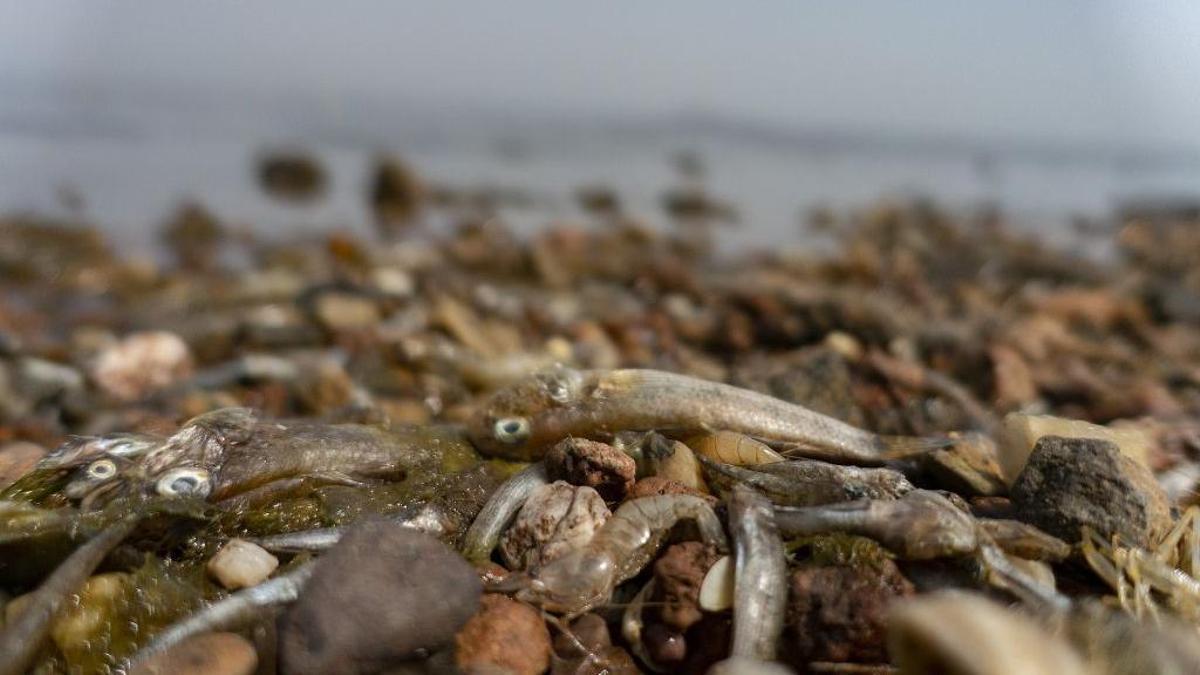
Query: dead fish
[[523, 420]]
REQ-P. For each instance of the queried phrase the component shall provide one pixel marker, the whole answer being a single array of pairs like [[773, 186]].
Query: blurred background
[[1058, 113]]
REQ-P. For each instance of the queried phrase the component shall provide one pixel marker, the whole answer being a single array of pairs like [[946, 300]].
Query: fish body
[[524, 420]]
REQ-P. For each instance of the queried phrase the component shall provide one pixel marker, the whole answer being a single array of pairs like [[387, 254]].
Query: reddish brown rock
[[504, 636], [838, 613], [596, 465], [678, 574]]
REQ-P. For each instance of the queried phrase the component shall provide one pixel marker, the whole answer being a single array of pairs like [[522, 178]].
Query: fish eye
[[102, 469], [511, 430], [184, 483]]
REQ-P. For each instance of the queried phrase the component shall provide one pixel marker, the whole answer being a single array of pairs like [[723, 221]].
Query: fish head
[[512, 422]]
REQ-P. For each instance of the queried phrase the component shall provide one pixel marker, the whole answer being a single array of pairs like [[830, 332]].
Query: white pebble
[[716, 591], [240, 564]]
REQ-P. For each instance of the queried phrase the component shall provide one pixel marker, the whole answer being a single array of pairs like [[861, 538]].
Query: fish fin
[[897, 447]]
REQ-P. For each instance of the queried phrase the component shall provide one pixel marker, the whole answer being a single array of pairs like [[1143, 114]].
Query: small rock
[[17, 459], [838, 613], [596, 465], [206, 654], [1015, 385], [678, 576], [142, 364], [240, 564], [346, 311], [716, 591], [591, 632], [504, 636], [675, 461], [384, 593], [1072, 482], [1021, 432], [556, 519]]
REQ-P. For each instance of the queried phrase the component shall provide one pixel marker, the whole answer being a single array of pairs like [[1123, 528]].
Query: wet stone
[[385, 593], [678, 575], [504, 636], [1070, 483], [206, 654], [596, 465], [556, 519], [240, 564]]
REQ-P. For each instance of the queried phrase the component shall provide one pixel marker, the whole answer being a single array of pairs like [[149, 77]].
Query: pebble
[[383, 594], [678, 575], [556, 519], [346, 311], [141, 364], [1072, 482], [17, 459], [504, 636], [838, 612], [675, 461], [592, 464], [716, 591], [1021, 432], [240, 564], [205, 654]]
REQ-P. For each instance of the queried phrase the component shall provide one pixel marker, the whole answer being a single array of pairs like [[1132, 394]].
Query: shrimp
[[586, 577], [760, 577], [733, 448], [524, 420]]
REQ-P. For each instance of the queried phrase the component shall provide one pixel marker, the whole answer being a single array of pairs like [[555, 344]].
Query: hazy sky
[[1086, 70]]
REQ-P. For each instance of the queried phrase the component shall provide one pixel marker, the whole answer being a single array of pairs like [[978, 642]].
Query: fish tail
[[897, 447]]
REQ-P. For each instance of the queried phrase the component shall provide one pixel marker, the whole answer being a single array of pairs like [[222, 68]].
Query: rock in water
[[1072, 482], [385, 593], [241, 564]]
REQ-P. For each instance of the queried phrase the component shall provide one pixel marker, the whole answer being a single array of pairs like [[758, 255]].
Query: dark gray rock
[[1072, 482], [385, 593]]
